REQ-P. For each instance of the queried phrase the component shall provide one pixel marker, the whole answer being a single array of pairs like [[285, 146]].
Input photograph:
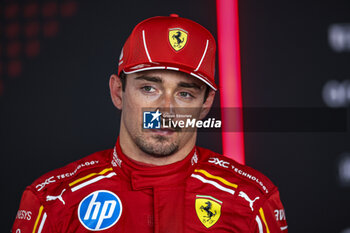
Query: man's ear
[[115, 87], [207, 104]]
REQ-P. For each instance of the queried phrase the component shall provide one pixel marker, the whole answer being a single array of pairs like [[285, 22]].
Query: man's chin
[[158, 146]]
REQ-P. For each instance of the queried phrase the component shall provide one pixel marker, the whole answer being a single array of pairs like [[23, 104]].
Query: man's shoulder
[[61, 178], [242, 176]]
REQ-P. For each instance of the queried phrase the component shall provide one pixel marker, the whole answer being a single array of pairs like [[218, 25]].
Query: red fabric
[[154, 199], [27, 213]]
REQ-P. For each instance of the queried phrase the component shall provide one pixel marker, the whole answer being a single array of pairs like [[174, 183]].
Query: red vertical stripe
[[230, 79]]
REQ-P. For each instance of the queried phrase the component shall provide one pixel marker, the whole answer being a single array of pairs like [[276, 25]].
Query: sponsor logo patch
[[247, 198], [46, 182], [100, 210], [280, 214], [177, 38], [24, 215], [208, 210], [59, 197]]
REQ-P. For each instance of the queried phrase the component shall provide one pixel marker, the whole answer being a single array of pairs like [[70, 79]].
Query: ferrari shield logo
[[177, 38], [208, 210]]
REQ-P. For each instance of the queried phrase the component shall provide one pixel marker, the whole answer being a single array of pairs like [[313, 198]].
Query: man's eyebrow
[[189, 85], [149, 78]]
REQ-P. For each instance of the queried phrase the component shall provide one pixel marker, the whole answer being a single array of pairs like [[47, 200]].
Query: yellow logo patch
[[208, 210], [177, 38]]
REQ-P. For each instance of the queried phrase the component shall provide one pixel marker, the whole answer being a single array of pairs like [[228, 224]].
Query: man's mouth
[[164, 131]]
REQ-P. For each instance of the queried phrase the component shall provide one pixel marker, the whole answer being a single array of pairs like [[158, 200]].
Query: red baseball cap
[[170, 43]]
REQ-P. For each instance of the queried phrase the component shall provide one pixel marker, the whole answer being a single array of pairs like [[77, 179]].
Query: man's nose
[[167, 103]]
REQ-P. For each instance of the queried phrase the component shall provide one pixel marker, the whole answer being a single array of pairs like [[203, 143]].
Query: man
[[155, 179]]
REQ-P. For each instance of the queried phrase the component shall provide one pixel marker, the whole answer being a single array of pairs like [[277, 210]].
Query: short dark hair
[[122, 77]]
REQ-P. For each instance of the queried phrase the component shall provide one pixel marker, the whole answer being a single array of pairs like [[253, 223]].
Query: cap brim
[[160, 67]]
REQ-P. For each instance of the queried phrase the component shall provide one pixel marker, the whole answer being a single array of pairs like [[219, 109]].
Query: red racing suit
[[107, 192]]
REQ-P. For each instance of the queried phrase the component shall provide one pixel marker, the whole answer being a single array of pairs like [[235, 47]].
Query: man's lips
[[163, 131]]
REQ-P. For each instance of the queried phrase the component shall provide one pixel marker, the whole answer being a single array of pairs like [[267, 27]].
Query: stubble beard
[[160, 149]]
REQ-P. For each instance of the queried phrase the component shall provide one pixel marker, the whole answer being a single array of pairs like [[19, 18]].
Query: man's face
[[170, 92]]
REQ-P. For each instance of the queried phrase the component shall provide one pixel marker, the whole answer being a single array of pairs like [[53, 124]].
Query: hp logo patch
[[151, 120], [100, 210]]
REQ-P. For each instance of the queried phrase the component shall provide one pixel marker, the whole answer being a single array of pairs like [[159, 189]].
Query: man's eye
[[148, 89], [185, 94]]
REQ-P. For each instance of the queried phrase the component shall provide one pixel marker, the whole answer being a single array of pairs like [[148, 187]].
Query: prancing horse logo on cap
[[177, 38]]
